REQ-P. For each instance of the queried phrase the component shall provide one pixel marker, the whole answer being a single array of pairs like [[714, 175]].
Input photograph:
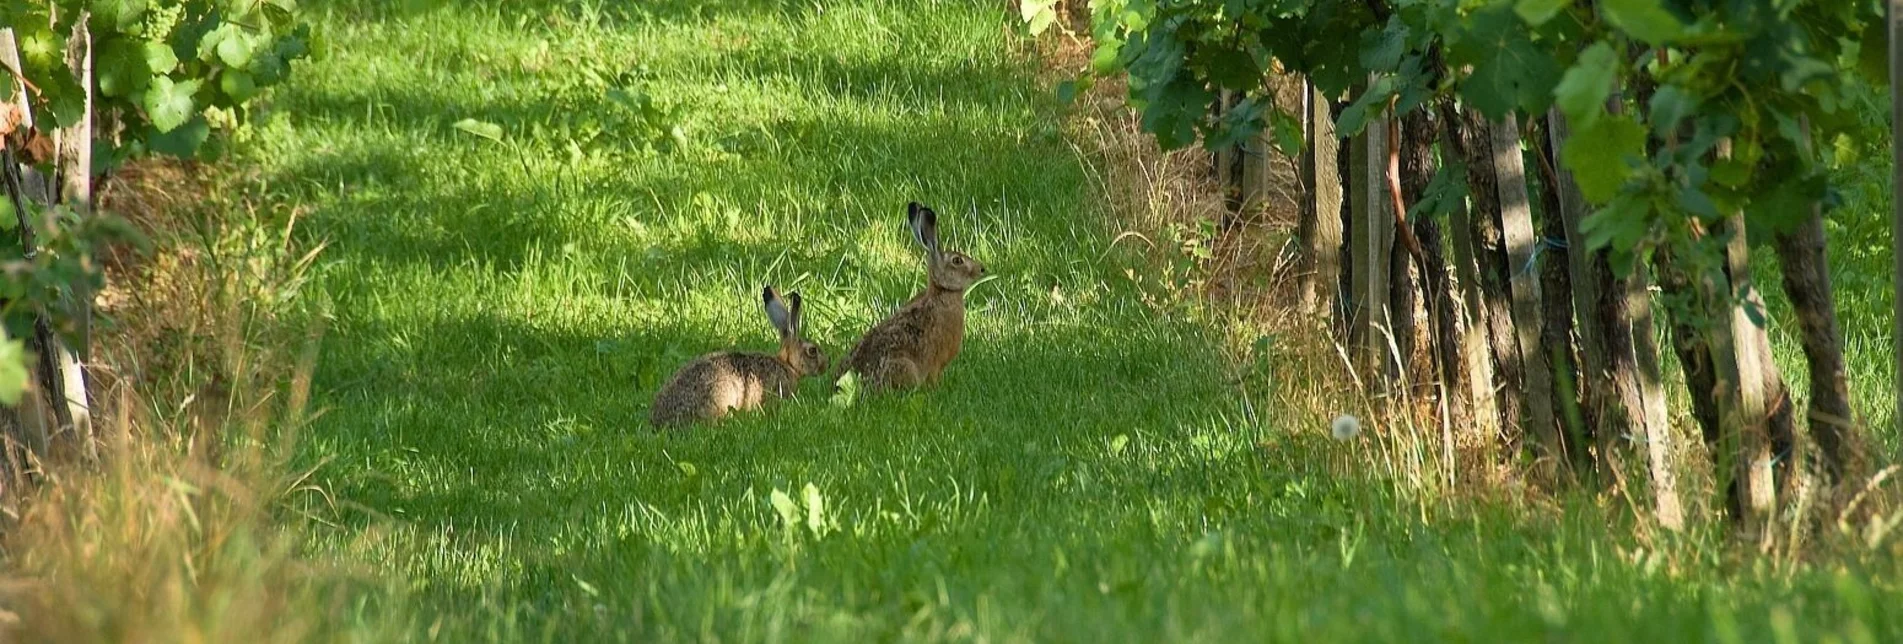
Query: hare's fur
[[711, 386], [912, 346]]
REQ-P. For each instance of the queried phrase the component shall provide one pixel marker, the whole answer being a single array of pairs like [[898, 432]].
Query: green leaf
[[1582, 93], [237, 84], [483, 129], [1446, 192], [815, 509], [183, 141], [64, 98], [168, 104], [1597, 155], [1670, 106], [160, 58], [122, 16], [1369, 105], [1038, 15], [120, 69], [41, 50], [1382, 50], [236, 49], [847, 390], [1619, 228], [1509, 71], [13, 373], [1644, 20], [783, 505], [1288, 132], [1537, 12]]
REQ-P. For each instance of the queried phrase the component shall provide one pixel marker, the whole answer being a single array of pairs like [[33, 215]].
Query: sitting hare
[[713, 384], [913, 346]]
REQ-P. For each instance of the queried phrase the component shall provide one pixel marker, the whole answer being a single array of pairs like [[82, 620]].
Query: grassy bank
[[505, 309]]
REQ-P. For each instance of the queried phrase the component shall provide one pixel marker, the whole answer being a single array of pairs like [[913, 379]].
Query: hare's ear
[[796, 318], [924, 227], [776, 312]]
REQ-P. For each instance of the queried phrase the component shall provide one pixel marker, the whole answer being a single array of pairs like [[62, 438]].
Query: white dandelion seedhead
[[1345, 427]]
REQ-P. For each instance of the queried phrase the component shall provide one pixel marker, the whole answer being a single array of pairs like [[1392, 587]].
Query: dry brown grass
[[186, 530]]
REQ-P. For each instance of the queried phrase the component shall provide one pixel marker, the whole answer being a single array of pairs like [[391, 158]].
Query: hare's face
[[957, 271], [808, 358]]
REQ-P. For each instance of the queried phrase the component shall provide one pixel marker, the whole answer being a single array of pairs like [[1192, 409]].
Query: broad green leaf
[[119, 67], [1582, 93], [13, 373], [483, 129], [183, 141], [1039, 15], [783, 505], [1597, 155], [1619, 228], [1670, 106], [1509, 71], [1382, 50], [815, 509], [237, 84], [1288, 132], [1366, 107], [121, 16], [168, 104], [236, 49], [160, 58], [1644, 20], [64, 98], [846, 390], [1537, 12]]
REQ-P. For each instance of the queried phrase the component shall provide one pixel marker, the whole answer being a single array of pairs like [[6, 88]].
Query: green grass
[[1085, 472]]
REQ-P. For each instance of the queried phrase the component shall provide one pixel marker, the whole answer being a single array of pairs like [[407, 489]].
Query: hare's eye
[[812, 351], [958, 261]]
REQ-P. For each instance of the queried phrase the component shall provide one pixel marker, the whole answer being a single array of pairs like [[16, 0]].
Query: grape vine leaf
[[1644, 20], [1581, 93], [183, 141], [120, 16], [168, 103], [1670, 106], [1038, 15], [1537, 12], [160, 58], [1369, 105], [1596, 153], [1382, 50], [1288, 132], [120, 67], [1509, 70]]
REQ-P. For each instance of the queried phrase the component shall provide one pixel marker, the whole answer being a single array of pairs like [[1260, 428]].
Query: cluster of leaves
[[1763, 78], [166, 73]]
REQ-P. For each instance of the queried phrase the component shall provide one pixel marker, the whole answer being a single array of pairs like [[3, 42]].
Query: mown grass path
[[506, 310]]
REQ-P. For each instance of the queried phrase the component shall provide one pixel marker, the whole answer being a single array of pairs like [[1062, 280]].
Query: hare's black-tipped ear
[[924, 226], [776, 311], [796, 315]]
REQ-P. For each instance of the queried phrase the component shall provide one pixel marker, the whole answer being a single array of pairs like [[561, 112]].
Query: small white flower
[[1345, 427]]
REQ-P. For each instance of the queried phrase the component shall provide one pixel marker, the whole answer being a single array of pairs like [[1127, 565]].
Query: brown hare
[[712, 385], [912, 347]]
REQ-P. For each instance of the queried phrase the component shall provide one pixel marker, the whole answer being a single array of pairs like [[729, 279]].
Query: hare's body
[[913, 346], [715, 384], [711, 386]]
